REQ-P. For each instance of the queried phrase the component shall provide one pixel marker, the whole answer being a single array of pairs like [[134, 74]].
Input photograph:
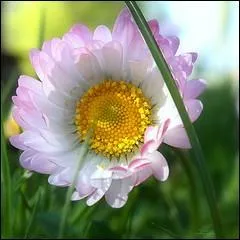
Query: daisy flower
[[106, 81]]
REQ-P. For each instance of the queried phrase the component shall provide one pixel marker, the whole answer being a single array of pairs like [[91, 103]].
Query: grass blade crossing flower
[[171, 84]]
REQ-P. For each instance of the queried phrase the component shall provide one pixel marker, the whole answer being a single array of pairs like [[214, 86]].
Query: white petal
[[143, 174], [30, 83], [117, 194], [36, 161], [95, 197], [74, 40], [139, 70], [112, 56], [76, 196], [60, 140], [90, 69], [194, 88], [102, 33], [159, 166], [152, 86], [17, 142], [177, 137], [46, 107], [194, 108], [139, 163], [101, 179], [63, 177], [89, 166], [35, 141]]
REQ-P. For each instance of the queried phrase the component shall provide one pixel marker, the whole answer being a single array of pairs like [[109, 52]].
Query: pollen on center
[[119, 114]]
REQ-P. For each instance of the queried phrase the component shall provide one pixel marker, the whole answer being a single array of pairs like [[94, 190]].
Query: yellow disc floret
[[119, 114]]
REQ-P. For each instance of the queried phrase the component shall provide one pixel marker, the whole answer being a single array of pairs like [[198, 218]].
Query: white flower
[[106, 82]]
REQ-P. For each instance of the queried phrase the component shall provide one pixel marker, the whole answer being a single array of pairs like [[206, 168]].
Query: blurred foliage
[[176, 208], [21, 22]]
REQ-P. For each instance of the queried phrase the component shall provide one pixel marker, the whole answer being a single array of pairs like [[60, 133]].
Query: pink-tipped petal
[[143, 174], [159, 166], [43, 165], [174, 43], [154, 136], [184, 62], [149, 147], [35, 61], [95, 197], [102, 33], [121, 174], [194, 56], [118, 168], [139, 163], [82, 32], [153, 86], [119, 23], [139, 71], [17, 142], [83, 186], [55, 179], [194, 108], [76, 196], [35, 161], [90, 68], [124, 31], [163, 128], [30, 83], [25, 159], [101, 179], [117, 194], [194, 88], [73, 40], [113, 59], [17, 117], [177, 137], [29, 118], [154, 26], [151, 133]]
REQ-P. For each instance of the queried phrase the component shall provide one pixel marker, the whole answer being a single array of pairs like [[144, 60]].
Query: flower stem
[[187, 166], [171, 85], [130, 215], [30, 223], [71, 188]]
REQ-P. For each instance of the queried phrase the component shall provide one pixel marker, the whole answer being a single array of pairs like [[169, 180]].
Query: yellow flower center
[[119, 114]]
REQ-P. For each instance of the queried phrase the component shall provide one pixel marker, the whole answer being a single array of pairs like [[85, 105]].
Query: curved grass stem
[[33, 214], [66, 206], [194, 193]]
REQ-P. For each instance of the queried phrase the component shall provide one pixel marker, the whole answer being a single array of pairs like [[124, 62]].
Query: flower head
[[105, 82]]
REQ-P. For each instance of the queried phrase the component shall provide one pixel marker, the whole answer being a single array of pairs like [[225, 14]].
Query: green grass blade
[[7, 188], [167, 76], [36, 203], [194, 193]]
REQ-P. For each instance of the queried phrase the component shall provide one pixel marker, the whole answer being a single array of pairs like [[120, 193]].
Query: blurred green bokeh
[[174, 209], [21, 22]]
